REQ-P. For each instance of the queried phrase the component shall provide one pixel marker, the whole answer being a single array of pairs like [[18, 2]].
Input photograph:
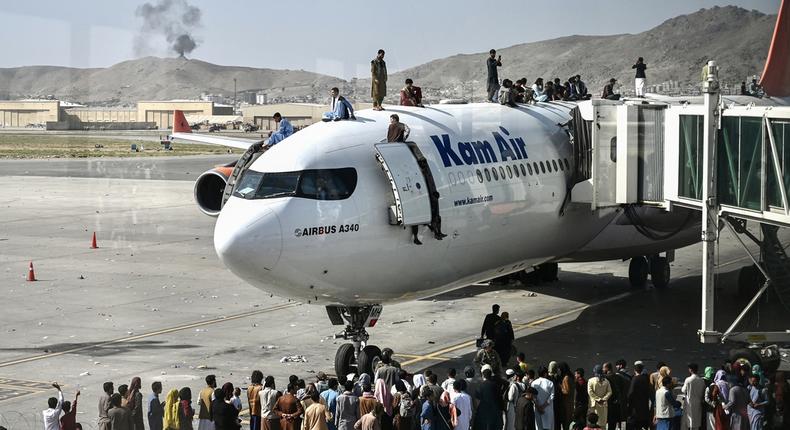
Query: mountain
[[153, 78], [675, 50]]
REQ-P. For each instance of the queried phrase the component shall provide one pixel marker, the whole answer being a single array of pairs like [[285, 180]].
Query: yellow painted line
[[150, 334], [516, 327], [419, 356]]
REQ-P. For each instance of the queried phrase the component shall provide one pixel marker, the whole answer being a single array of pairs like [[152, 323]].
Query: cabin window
[[494, 172], [502, 172], [488, 175], [479, 176], [529, 166], [554, 163], [567, 165], [515, 170], [542, 168]]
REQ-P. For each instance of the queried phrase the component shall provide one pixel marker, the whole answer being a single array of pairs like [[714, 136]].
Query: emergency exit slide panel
[[409, 188]]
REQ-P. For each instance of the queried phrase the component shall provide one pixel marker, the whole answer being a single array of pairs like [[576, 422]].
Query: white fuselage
[[347, 252]]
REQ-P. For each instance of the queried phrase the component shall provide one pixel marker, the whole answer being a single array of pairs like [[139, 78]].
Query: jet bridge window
[[320, 184]]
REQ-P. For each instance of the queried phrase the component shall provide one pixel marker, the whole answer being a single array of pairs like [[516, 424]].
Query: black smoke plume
[[173, 19]]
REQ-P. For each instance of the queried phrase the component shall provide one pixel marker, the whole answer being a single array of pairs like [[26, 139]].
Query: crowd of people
[[493, 393]]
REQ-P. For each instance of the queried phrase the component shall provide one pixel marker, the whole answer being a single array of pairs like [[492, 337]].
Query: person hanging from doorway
[[397, 131]]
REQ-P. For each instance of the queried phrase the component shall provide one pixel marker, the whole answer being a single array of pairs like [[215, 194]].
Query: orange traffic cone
[[31, 275], [93, 241]]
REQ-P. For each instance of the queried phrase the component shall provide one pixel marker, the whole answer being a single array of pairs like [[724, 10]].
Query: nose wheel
[[655, 266], [357, 356]]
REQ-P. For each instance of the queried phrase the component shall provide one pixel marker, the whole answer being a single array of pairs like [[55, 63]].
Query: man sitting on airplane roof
[[581, 88], [284, 129], [608, 91], [411, 95], [507, 94], [340, 107]]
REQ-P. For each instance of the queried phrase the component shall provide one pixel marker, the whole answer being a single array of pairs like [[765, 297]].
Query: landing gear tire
[[659, 272], [749, 281], [368, 358], [547, 272], [637, 272], [344, 360]]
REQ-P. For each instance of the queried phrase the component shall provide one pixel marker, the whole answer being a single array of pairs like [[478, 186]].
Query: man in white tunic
[[52, 414], [693, 393], [544, 401]]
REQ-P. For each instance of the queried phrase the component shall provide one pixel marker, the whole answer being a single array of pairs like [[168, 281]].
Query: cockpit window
[[318, 184]]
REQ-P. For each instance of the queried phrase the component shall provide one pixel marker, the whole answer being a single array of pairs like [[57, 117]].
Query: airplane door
[[409, 187]]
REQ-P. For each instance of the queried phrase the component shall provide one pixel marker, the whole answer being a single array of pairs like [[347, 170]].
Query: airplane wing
[[182, 131]]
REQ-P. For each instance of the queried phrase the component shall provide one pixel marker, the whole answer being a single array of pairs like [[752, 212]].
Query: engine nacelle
[[209, 188]]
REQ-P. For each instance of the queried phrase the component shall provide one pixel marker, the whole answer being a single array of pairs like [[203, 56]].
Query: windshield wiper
[[283, 194]]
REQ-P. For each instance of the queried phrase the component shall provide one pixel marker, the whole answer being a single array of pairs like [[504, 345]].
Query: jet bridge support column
[[710, 205]]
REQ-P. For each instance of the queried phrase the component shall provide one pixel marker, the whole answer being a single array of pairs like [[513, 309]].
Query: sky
[[332, 37]]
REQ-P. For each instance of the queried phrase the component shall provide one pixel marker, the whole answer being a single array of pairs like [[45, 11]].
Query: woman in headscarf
[[384, 397], [185, 411], [224, 414], [599, 391], [716, 400], [566, 388], [758, 371], [171, 421], [134, 401]]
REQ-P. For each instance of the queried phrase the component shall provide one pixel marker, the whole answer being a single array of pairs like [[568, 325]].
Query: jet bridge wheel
[[659, 272], [638, 270], [344, 360]]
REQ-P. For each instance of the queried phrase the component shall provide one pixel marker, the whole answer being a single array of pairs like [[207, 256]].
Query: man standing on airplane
[[378, 80], [639, 80], [493, 75], [284, 129]]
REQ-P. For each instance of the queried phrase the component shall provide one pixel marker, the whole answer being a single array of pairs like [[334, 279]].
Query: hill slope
[[675, 50], [153, 78]]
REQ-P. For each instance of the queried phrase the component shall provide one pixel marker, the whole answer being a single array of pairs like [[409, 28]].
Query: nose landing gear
[[358, 356], [655, 266]]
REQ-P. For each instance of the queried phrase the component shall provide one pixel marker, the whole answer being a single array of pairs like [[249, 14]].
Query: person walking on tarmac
[[503, 338], [487, 332]]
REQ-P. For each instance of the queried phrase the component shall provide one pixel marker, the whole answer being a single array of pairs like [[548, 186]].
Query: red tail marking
[[180, 124], [776, 74]]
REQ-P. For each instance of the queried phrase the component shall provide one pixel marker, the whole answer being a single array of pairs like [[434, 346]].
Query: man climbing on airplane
[[284, 129]]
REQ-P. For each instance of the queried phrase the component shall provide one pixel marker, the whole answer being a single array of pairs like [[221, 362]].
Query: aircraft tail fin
[[775, 79], [180, 124]]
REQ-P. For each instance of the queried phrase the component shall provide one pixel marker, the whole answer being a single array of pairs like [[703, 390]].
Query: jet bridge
[[728, 157]]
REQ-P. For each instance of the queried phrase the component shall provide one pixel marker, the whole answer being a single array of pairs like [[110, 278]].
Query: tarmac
[[154, 301]]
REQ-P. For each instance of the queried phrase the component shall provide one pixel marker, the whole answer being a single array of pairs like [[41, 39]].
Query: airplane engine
[[209, 187]]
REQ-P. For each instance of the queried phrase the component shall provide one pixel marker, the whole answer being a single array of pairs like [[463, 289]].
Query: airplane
[[328, 215]]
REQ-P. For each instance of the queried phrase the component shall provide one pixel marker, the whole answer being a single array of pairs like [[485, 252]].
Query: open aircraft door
[[409, 186]]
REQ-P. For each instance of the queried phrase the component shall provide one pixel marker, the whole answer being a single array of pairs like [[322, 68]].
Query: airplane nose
[[248, 238]]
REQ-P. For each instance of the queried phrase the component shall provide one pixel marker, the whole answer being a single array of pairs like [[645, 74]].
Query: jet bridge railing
[[752, 158]]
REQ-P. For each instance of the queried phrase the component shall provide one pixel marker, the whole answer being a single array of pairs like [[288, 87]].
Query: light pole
[[234, 95]]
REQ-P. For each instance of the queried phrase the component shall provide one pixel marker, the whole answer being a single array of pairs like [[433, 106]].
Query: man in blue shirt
[[284, 129], [329, 399], [340, 108]]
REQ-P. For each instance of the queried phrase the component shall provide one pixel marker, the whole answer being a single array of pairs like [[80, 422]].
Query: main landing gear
[[358, 356], [655, 266]]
